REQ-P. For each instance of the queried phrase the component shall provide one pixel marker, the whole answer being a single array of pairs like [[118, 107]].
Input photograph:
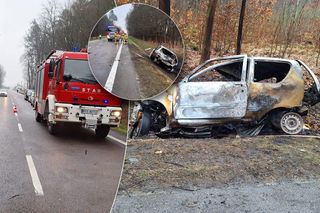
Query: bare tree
[[317, 43], [157, 26], [2, 76], [49, 22], [240, 27], [207, 32], [60, 29], [288, 23]]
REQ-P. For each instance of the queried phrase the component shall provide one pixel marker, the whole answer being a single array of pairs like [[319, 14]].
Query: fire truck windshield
[[112, 29], [79, 71]]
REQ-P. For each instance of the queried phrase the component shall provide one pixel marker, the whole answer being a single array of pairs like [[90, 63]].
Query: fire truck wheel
[[102, 131], [52, 128], [38, 116]]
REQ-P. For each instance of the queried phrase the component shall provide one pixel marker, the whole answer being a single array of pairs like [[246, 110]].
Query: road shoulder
[[281, 197]]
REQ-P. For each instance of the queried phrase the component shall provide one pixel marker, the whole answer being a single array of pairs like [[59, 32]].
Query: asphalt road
[[274, 197], [121, 71], [70, 172]]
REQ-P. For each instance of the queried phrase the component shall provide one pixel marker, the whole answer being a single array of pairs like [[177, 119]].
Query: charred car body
[[164, 56], [236, 92]]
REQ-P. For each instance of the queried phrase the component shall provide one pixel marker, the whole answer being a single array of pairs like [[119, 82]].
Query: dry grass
[[193, 163]]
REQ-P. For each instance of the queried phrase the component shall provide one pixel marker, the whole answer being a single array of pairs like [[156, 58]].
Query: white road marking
[[20, 127], [34, 175], [113, 72], [16, 114], [117, 140]]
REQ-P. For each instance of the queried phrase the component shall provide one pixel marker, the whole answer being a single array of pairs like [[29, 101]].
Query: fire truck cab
[[66, 91]]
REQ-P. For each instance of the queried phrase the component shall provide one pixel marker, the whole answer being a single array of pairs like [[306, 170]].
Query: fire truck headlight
[[116, 113], [62, 109]]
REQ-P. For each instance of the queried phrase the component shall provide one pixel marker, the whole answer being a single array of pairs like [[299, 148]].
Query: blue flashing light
[[75, 88]]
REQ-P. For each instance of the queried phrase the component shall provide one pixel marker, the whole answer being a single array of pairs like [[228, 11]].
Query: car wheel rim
[[291, 123]]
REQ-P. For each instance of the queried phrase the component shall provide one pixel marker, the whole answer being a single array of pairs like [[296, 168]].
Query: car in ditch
[[165, 57], [238, 93]]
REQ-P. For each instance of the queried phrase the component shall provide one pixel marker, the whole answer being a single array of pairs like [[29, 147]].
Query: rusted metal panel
[[264, 97], [167, 99]]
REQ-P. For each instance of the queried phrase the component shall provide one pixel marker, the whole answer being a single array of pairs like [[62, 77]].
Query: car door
[[207, 95]]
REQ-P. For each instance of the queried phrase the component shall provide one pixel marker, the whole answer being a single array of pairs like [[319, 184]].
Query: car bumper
[[89, 116]]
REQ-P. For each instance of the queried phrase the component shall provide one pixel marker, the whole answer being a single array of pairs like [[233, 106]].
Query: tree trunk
[[240, 28], [207, 32], [164, 5], [318, 56]]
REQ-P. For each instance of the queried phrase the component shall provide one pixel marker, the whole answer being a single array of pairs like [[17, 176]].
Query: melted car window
[[270, 72], [226, 72]]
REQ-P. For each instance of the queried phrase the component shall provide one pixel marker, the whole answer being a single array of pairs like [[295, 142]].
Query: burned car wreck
[[238, 93], [165, 57]]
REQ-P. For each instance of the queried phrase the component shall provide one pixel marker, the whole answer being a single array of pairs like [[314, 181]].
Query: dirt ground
[[189, 164]]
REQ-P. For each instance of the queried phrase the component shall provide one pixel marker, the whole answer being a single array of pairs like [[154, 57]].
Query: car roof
[[272, 59]]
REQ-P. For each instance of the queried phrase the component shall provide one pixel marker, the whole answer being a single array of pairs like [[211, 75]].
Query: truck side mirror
[[67, 78], [51, 68]]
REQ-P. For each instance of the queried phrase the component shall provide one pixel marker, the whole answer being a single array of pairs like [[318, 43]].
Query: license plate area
[[89, 111], [91, 123]]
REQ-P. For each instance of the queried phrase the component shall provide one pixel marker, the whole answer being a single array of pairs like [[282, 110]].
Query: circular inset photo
[[135, 51]]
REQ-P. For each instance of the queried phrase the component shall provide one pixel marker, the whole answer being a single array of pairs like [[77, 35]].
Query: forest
[[277, 28], [158, 29], [64, 27]]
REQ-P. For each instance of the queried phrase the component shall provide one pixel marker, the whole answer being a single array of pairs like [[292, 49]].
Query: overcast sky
[[15, 19], [121, 12]]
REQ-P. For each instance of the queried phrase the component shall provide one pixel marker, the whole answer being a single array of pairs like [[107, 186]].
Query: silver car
[[164, 56], [238, 93], [3, 93]]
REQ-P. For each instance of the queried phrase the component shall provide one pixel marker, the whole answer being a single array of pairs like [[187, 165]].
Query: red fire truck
[[66, 91]]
